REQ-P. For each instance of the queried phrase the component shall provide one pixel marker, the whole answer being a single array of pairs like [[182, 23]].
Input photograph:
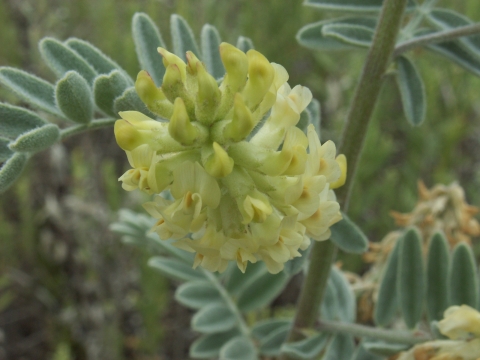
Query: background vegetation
[[69, 289]]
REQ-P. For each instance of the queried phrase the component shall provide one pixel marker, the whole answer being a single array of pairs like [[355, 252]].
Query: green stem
[[358, 118], [393, 336], [77, 129], [436, 37], [242, 325]]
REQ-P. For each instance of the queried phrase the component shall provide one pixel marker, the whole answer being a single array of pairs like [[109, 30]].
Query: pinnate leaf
[[463, 277], [74, 98], [239, 348], [15, 121], [175, 269], [107, 88], [182, 37], [214, 318], [36, 139], [11, 170]]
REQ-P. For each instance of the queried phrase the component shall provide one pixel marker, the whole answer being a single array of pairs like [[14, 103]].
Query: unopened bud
[[260, 78], [180, 127], [192, 62], [236, 66], [219, 164], [208, 96], [242, 122], [152, 96], [170, 58], [127, 136], [342, 162]]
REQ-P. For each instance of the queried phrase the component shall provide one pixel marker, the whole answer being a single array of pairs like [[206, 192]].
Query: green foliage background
[[70, 290]]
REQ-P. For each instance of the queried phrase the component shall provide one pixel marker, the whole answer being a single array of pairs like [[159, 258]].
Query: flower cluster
[[241, 184], [461, 324]]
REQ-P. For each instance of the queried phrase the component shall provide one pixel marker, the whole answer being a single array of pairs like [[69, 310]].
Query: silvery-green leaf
[[107, 88], [329, 308], [175, 269], [411, 277], [387, 302], [245, 43], [61, 59], [350, 5], [208, 346], [147, 39], [236, 280], [100, 62], [15, 121], [129, 100], [382, 348], [261, 290], [239, 348], [213, 318], [264, 328], [5, 152], [412, 91], [463, 277], [36, 139], [32, 89], [197, 294], [362, 354], [347, 305], [315, 115], [446, 19], [348, 236], [437, 277], [182, 37], [306, 349], [271, 344], [210, 40], [294, 266], [342, 346], [74, 98], [312, 35], [11, 170], [356, 35]]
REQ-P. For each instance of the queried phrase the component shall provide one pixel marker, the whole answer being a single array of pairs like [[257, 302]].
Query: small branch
[[437, 37], [94, 125], [393, 336]]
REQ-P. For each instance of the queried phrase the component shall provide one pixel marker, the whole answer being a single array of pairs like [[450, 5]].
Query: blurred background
[[69, 289]]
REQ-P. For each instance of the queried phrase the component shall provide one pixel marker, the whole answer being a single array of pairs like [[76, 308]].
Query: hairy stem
[[368, 88], [77, 129], [394, 336], [436, 37]]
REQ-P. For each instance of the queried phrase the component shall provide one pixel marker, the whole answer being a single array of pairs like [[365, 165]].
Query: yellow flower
[[460, 322], [237, 195]]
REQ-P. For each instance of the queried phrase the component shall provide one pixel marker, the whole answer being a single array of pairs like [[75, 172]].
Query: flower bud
[[152, 96], [208, 96], [242, 122], [169, 59], [180, 127], [342, 162], [260, 78], [192, 63], [219, 164]]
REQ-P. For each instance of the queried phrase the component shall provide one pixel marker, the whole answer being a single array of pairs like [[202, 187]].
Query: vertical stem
[[353, 138]]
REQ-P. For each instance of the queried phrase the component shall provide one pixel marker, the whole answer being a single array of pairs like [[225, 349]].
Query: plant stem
[[77, 129], [356, 125], [437, 37], [394, 336]]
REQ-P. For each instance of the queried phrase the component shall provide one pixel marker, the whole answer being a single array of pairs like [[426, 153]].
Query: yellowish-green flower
[[243, 189]]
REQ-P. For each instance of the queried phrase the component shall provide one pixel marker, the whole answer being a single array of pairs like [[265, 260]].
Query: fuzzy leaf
[[329, 308], [437, 277], [315, 115], [446, 19], [197, 294], [32, 89], [341, 347], [61, 59], [147, 39], [208, 346], [294, 266], [347, 304], [382, 348], [411, 277], [412, 91], [348, 236], [100, 62], [271, 344], [210, 40], [356, 35], [453, 51], [175, 269], [306, 349], [350, 5], [363, 354], [36, 139], [182, 37], [213, 318], [5, 152], [11, 170], [263, 329], [261, 290], [107, 88], [239, 348], [15, 121], [387, 302], [313, 37], [244, 43], [129, 100], [74, 98], [236, 281], [463, 278]]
